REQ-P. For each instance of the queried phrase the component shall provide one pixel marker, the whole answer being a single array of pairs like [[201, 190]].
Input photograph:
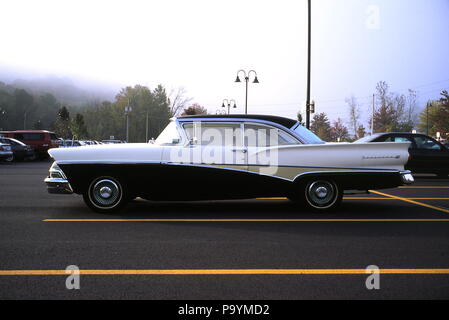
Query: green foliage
[[320, 125], [435, 117], [62, 124], [394, 113], [194, 109], [78, 127], [338, 132]]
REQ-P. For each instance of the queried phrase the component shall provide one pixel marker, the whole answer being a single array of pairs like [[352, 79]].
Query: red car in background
[[39, 140]]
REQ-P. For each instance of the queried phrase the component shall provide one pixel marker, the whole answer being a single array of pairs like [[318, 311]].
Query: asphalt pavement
[[246, 249]]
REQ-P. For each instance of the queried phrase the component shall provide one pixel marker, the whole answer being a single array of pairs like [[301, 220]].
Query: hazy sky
[[200, 45]]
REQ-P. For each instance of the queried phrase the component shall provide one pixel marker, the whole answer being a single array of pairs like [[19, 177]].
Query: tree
[[361, 132], [354, 114], [299, 116], [321, 126], [62, 123], [78, 127], [178, 101], [194, 109], [23, 106], [394, 112], [435, 116], [338, 131]]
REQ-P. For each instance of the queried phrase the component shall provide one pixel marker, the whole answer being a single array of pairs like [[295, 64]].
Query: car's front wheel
[[105, 194], [10, 159]]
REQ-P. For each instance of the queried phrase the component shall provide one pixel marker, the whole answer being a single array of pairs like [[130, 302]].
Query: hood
[[109, 152]]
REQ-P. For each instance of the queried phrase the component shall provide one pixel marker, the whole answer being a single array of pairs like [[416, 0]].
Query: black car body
[[5, 152], [427, 155], [20, 150]]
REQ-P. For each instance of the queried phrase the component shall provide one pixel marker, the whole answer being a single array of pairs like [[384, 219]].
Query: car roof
[[28, 131], [286, 122]]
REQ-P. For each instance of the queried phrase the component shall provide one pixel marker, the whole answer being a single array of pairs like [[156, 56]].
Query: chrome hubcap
[[321, 193], [106, 193]]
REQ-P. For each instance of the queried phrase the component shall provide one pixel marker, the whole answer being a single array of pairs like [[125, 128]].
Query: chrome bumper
[[407, 177], [58, 186]]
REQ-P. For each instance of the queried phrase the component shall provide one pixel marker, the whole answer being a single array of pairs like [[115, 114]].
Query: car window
[[426, 143], [169, 136], [29, 136], [395, 139], [266, 136], [214, 134], [53, 136]]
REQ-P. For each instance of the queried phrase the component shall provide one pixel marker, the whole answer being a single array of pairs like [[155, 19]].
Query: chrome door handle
[[242, 150]]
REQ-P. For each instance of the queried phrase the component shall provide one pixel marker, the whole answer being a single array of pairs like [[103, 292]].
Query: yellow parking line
[[424, 187], [222, 272], [365, 198], [411, 201], [245, 220]]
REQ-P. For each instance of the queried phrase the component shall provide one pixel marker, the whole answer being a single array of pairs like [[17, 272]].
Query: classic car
[[427, 155], [227, 157]]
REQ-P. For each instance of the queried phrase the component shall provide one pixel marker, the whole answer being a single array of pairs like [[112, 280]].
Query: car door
[[213, 156], [429, 156]]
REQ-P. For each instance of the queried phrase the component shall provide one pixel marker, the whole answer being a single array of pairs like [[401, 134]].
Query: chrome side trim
[[346, 172]]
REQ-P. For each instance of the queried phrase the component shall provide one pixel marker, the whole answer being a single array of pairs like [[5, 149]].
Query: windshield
[[169, 136], [307, 136], [367, 138]]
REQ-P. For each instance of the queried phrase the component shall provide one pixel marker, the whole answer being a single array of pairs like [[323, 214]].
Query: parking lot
[[248, 249]]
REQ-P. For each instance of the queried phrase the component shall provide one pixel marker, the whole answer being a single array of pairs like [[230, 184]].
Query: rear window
[[29, 136]]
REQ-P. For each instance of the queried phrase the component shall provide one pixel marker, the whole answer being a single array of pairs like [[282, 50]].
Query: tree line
[[96, 120], [392, 113]]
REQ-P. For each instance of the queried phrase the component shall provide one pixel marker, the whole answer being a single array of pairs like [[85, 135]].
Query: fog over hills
[[67, 89]]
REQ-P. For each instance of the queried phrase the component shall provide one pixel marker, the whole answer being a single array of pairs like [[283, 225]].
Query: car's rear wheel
[[10, 159], [105, 194], [322, 194]]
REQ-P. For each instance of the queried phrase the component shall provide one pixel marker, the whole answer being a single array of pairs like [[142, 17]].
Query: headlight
[[56, 172]]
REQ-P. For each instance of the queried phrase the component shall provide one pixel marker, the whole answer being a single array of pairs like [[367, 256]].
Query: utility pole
[[128, 109], [372, 117], [146, 129], [309, 43]]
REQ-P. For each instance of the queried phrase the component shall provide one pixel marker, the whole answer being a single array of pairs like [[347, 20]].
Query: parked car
[[112, 141], [227, 157], [6, 153], [40, 140], [446, 144], [426, 154], [74, 143], [20, 150]]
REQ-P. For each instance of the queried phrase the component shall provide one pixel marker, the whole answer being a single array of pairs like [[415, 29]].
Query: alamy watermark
[[373, 17], [373, 280], [72, 282], [228, 145]]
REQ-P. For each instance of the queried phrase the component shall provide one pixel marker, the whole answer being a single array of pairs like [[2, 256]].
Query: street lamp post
[[246, 77], [128, 110], [228, 104], [309, 44]]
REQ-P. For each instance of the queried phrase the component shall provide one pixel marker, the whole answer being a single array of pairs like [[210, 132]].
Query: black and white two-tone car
[[227, 157]]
